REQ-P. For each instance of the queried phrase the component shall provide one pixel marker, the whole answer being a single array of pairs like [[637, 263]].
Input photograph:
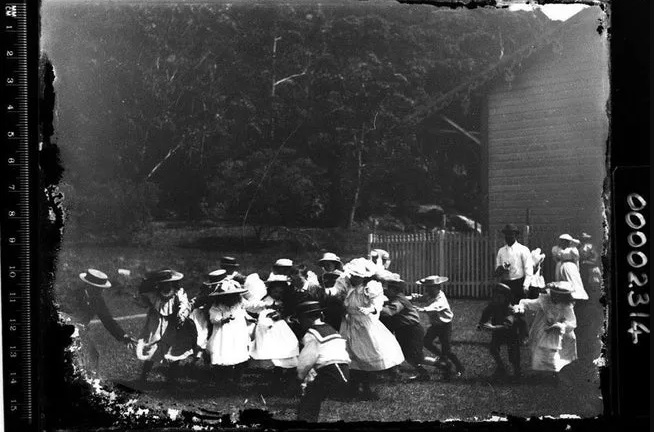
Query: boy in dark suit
[[498, 318]]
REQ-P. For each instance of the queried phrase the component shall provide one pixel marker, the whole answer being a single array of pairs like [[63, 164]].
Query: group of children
[[333, 333]]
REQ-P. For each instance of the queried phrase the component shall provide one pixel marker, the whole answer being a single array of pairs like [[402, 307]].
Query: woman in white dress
[[371, 346], [551, 336], [566, 256]]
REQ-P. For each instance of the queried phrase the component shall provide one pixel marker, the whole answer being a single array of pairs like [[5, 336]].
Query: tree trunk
[[357, 190]]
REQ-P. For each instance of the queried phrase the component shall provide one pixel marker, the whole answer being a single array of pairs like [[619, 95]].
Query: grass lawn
[[194, 253]]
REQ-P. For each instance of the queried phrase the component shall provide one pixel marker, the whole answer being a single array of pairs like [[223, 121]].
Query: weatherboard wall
[[546, 132]]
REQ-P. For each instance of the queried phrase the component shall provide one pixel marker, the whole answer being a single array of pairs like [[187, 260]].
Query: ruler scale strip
[[16, 312]]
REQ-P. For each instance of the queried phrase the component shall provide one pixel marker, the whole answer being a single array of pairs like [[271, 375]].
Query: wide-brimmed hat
[[154, 279], [567, 237], [503, 288], [277, 279], [331, 257], [283, 262], [433, 280], [308, 307], [215, 277], [228, 261], [510, 228], [227, 287], [360, 267], [96, 278], [561, 287]]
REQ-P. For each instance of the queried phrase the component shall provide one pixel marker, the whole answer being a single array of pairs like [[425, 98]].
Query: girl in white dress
[[551, 336], [228, 347], [274, 343], [371, 346]]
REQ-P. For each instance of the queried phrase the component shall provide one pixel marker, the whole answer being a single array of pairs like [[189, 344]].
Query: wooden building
[[545, 131]]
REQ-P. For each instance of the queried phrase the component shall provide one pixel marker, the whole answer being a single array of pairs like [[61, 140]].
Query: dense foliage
[[267, 113]]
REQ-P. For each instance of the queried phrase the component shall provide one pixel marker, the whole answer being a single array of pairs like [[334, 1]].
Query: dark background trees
[[268, 114]]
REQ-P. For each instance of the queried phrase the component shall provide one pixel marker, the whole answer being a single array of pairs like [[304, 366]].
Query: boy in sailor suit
[[323, 363]]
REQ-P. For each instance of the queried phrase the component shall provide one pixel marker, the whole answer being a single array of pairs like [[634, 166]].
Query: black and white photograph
[[329, 211]]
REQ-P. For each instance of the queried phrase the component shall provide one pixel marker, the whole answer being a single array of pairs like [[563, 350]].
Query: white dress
[[371, 346], [273, 340], [229, 343], [551, 350], [567, 269]]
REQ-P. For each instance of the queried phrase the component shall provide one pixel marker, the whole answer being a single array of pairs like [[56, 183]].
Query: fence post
[[441, 252]]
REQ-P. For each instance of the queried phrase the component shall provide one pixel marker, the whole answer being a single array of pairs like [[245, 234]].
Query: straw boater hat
[[215, 277], [330, 257], [153, 279], [95, 278], [567, 237], [432, 280], [227, 287], [283, 262], [228, 261], [510, 228]]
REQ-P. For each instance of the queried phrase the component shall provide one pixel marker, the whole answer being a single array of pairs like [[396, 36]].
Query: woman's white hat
[[567, 237], [95, 278], [432, 280], [283, 262], [360, 267], [328, 256]]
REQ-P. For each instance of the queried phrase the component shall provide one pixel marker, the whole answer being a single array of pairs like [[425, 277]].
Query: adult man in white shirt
[[514, 265]]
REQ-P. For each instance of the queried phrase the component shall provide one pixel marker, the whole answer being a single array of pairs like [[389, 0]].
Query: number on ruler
[[10, 107], [10, 53], [10, 80]]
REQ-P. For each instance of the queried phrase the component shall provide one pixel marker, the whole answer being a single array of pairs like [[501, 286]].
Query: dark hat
[[502, 288], [228, 261], [432, 280], [396, 285], [95, 278], [163, 275], [153, 279], [307, 307], [510, 228]]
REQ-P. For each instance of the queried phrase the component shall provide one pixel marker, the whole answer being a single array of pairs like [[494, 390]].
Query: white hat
[[567, 237], [432, 280], [283, 262], [360, 267], [328, 256], [95, 278]]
